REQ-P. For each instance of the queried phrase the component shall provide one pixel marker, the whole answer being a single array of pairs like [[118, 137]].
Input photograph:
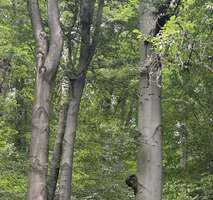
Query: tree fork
[[47, 60]]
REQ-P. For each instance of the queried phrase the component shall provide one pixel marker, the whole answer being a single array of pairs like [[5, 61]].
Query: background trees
[[105, 142]]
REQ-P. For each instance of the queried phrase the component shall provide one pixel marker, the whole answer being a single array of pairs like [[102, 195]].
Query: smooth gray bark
[[47, 60], [55, 163], [149, 149], [68, 140]]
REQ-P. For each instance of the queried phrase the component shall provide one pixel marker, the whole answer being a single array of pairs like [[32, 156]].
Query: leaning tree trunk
[[149, 150], [47, 60]]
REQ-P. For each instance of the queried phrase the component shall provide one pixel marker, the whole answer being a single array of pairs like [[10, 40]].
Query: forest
[[106, 100]]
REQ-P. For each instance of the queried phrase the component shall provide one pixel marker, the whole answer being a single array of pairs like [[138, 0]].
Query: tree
[[149, 151], [87, 50], [105, 145], [153, 17], [47, 60], [55, 163]]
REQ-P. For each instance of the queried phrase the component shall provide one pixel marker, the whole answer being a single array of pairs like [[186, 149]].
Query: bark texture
[[47, 60], [149, 150], [55, 163], [87, 50], [68, 140]]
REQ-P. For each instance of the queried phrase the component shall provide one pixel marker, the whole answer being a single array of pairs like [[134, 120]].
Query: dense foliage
[[105, 143]]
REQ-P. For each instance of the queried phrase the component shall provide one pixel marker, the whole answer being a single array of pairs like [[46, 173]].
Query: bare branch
[[88, 42], [38, 31], [97, 26], [56, 41], [47, 62]]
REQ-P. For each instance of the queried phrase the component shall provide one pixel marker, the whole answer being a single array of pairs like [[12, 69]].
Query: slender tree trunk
[[77, 85], [47, 60], [4, 74], [149, 150], [55, 164], [184, 154], [87, 50], [69, 140]]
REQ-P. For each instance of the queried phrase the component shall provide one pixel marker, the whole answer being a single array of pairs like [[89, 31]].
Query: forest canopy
[[106, 100]]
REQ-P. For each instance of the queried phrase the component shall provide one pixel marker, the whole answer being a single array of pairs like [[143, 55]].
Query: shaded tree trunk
[[21, 119], [4, 74], [87, 50], [149, 149], [55, 163], [47, 60], [183, 140], [69, 140]]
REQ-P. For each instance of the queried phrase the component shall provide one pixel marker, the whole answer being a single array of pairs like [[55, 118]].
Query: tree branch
[[38, 31], [56, 41], [86, 14], [97, 27], [88, 42], [36, 22]]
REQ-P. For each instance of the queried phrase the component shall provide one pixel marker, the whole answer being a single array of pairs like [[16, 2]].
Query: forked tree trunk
[[47, 60], [77, 86], [87, 50], [149, 149]]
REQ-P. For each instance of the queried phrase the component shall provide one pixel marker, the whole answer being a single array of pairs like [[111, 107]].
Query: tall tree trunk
[[69, 140], [55, 163], [87, 50], [47, 60], [149, 150]]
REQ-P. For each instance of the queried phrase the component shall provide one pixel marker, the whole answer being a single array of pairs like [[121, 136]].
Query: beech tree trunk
[[55, 163], [87, 50], [47, 60], [69, 139], [149, 149]]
